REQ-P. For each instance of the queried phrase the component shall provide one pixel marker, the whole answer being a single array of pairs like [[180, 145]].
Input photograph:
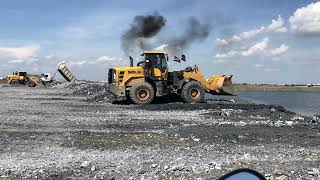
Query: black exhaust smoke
[[142, 27], [145, 27], [194, 31]]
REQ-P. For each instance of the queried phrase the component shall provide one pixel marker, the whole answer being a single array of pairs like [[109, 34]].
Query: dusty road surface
[[73, 131]]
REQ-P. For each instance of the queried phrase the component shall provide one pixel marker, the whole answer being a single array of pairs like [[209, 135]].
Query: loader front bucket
[[220, 85]]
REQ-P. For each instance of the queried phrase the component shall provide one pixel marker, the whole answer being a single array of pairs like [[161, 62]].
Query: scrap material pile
[[93, 91]]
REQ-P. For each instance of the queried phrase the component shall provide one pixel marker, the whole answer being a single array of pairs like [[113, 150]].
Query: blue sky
[[36, 35]]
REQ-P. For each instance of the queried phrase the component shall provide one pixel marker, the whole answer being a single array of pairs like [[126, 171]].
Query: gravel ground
[[77, 131]]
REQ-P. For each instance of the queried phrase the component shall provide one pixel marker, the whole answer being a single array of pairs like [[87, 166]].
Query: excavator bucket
[[220, 85]]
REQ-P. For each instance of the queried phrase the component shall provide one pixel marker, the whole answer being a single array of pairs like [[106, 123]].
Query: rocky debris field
[[78, 131]]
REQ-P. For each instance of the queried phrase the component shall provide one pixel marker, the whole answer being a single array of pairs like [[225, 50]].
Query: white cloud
[[279, 51], [222, 42], [50, 56], [272, 69], [252, 33], [19, 52], [16, 61], [77, 63], [277, 26], [258, 49], [266, 68], [254, 50], [306, 20], [107, 59], [103, 60], [162, 47], [259, 65], [227, 55]]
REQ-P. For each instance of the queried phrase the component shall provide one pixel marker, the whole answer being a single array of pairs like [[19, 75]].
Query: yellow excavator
[[151, 78]]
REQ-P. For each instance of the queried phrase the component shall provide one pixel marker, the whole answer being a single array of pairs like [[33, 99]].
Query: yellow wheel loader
[[151, 78], [24, 79]]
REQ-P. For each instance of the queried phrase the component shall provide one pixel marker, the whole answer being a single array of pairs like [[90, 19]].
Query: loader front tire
[[142, 93], [192, 92]]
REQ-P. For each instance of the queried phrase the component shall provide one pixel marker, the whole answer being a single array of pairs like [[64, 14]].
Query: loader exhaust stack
[[131, 61]]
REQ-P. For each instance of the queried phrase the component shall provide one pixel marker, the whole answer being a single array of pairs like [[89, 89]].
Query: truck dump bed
[[66, 73]]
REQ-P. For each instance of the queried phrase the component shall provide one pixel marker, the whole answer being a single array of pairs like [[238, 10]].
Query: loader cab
[[156, 62], [17, 73], [23, 74]]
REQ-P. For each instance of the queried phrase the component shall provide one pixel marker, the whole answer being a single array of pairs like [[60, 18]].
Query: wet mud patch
[[118, 140], [297, 135], [47, 99], [209, 105]]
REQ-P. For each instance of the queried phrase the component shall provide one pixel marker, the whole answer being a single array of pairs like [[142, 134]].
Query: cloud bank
[[19, 52], [276, 26], [306, 20], [258, 49]]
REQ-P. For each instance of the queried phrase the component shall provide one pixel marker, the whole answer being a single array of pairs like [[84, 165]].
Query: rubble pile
[[94, 91]]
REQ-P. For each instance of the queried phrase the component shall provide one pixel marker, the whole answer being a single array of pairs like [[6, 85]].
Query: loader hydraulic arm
[[217, 85]]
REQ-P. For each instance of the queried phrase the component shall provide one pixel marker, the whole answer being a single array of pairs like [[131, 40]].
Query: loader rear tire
[[13, 82], [142, 93], [192, 92], [31, 84]]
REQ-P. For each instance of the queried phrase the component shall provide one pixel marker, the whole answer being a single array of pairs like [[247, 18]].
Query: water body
[[304, 103]]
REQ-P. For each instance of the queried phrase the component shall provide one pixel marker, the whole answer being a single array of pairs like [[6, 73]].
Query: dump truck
[[46, 78], [151, 78], [66, 73], [24, 78]]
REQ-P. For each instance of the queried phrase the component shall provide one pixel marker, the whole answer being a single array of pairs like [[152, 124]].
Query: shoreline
[[274, 88]]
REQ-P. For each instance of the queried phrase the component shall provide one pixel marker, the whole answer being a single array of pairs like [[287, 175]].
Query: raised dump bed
[[66, 73]]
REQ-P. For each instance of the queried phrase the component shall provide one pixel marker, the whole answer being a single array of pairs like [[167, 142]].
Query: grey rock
[[166, 167], [154, 165], [142, 171], [297, 118], [218, 167], [282, 177], [85, 164], [42, 171], [289, 123], [314, 172], [179, 167], [93, 168]]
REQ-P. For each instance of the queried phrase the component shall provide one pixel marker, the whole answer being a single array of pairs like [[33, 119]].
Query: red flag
[[175, 58], [183, 58]]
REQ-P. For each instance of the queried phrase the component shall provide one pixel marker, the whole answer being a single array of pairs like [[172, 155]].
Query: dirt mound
[[94, 91]]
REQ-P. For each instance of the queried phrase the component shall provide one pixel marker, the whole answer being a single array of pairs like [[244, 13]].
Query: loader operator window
[[158, 61], [22, 74]]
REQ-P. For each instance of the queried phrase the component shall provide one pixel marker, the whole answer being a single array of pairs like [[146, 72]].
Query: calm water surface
[[303, 103]]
